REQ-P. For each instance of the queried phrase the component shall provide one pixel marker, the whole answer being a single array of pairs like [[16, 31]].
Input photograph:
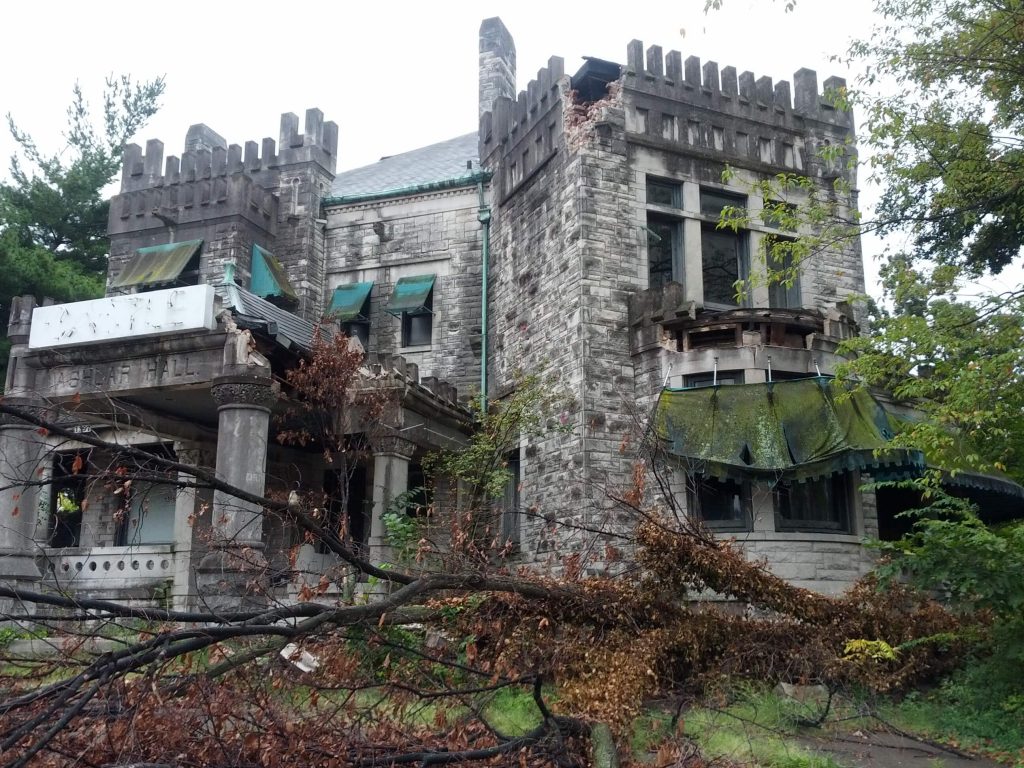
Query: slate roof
[[291, 327], [444, 162]]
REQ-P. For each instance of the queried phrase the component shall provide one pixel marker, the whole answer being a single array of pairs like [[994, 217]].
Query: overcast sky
[[393, 75]]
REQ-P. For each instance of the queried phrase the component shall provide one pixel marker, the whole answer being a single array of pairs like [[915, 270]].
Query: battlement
[[209, 158], [743, 94], [199, 191], [511, 120]]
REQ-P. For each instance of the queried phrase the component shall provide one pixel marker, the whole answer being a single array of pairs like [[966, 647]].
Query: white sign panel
[[115, 318]]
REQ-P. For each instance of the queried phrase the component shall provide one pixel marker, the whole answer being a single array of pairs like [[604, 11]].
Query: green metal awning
[[268, 276], [794, 430], [348, 302], [411, 294], [157, 264]]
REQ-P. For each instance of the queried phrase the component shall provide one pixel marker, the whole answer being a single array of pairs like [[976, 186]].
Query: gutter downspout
[[484, 217]]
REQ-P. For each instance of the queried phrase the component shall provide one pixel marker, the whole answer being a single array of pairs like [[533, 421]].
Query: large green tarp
[[793, 430]]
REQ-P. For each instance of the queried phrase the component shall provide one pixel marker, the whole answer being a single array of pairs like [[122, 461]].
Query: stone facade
[[437, 233], [574, 233]]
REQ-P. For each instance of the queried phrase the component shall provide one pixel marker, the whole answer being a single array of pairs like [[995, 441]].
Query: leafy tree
[[53, 213], [947, 135], [56, 202]]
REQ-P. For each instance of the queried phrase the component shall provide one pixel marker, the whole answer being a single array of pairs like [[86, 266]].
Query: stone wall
[[232, 198], [431, 233], [569, 245]]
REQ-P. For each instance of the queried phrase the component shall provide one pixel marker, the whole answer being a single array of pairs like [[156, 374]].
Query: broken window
[[350, 306], [724, 257], [814, 505], [783, 273], [664, 250], [418, 327], [68, 498], [348, 508], [721, 504]]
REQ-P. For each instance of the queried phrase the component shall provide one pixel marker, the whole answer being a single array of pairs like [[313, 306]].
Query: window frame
[[411, 318], [358, 329], [701, 380], [675, 271], [792, 297], [65, 529], [710, 218], [674, 188], [135, 507], [839, 488], [510, 521], [694, 493]]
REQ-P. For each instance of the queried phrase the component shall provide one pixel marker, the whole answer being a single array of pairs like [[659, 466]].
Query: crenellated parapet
[[207, 155], [198, 188], [741, 94], [527, 130]]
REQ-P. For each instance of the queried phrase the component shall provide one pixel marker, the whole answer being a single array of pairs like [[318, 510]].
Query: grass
[[757, 728], [954, 714], [512, 711]]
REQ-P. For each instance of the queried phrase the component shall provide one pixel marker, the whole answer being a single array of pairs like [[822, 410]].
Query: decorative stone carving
[[258, 392], [393, 444]]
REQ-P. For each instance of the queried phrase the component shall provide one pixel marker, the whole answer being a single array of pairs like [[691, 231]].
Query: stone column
[[391, 455], [186, 522], [232, 575], [23, 457], [23, 453]]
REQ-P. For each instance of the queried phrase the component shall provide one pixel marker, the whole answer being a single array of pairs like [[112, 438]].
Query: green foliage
[[402, 528], [979, 568], [947, 141], [877, 650], [811, 219], [979, 707], [512, 711], [56, 202], [527, 411], [959, 363], [53, 214]]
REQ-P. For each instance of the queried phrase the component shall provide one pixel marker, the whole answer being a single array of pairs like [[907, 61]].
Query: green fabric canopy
[[348, 301], [411, 294], [268, 276], [157, 264], [797, 430]]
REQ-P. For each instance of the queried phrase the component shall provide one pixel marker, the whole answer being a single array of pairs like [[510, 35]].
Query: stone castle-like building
[[576, 230]]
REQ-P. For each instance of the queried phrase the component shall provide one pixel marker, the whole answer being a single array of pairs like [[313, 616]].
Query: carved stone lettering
[[127, 374]]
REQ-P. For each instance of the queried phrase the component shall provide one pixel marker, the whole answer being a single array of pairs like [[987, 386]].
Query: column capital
[[253, 391], [394, 445]]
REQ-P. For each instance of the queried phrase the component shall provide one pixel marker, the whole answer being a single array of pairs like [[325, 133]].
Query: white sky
[[394, 75]]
